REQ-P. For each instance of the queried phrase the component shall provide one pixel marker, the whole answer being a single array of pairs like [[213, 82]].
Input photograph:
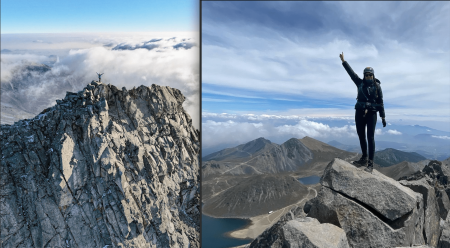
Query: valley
[[258, 180]]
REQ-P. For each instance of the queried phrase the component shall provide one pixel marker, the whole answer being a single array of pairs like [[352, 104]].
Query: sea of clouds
[[127, 60]]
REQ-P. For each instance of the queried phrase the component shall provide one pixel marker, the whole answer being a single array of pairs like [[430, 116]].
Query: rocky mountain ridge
[[371, 210], [261, 156], [103, 167]]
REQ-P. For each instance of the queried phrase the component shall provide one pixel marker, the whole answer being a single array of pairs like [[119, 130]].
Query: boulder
[[432, 216], [372, 209], [307, 233], [437, 171], [379, 192]]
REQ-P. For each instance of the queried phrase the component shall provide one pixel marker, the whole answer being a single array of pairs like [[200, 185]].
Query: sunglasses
[[368, 75]]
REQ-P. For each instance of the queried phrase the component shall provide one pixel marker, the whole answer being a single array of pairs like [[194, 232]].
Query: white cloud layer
[[226, 129], [441, 137], [267, 48], [171, 64], [221, 130], [394, 132]]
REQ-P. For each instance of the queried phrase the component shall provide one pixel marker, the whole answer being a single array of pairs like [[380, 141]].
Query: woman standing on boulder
[[369, 101]]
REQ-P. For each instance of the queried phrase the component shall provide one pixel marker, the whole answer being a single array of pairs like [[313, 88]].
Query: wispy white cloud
[[441, 137], [394, 132], [316, 129], [268, 48], [221, 130], [224, 129]]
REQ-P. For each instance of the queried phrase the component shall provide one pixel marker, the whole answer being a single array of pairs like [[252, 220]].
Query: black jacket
[[369, 96]]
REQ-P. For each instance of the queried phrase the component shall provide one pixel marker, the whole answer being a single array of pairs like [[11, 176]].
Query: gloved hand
[[384, 122], [342, 56]]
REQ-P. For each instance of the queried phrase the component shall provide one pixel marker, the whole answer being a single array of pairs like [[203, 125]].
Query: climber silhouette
[[99, 76]]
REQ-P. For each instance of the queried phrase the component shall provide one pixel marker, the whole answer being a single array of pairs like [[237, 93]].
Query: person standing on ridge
[[99, 76], [369, 101]]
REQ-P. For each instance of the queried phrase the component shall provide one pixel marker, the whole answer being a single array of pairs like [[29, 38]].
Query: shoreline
[[262, 222], [229, 233]]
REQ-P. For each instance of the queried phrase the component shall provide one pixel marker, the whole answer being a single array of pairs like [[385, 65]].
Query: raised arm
[[350, 71]]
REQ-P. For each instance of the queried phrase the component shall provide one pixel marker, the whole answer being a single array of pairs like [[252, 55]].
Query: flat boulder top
[[375, 190], [315, 233]]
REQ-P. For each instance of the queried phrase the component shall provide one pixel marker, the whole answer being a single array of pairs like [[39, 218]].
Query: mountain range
[[234, 180]]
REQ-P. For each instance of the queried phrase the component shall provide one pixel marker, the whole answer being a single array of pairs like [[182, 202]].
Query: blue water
[[214, 230], [309, 180]]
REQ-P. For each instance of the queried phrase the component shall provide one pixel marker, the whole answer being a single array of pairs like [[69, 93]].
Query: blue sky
[[53, 16], [282, 59]]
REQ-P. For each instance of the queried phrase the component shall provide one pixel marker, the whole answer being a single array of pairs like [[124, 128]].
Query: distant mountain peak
[[391, 156], [317, 145]]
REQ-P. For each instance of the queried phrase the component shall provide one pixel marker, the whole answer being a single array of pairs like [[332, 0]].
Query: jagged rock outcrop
[[273, 236], [102, 167], [431, 228], [308, 233], [373, 210], [436, 175]]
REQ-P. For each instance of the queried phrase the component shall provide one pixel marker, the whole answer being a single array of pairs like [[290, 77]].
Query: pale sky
[[282, 59]]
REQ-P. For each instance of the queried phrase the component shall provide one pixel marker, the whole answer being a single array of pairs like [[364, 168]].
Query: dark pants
[[370, 120]]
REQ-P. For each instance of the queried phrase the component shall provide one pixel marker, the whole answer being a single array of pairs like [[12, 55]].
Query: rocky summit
[[104, 167], [371, 209]]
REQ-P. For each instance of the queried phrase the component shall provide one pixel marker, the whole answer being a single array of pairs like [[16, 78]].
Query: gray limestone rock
[[444, 241], [432, 216], [273, 235], [368, 222], [416, 246], [443, 202], [363, 226], [381, 193], [308, 232], [102, 167], [302, 232]]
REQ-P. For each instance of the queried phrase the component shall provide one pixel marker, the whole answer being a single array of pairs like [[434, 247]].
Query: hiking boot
[[369, 166], [361, 162]]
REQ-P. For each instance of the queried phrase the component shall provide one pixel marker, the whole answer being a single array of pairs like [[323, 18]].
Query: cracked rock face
[[384, 194], [431, 218], [361, 204], [102, 167]]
